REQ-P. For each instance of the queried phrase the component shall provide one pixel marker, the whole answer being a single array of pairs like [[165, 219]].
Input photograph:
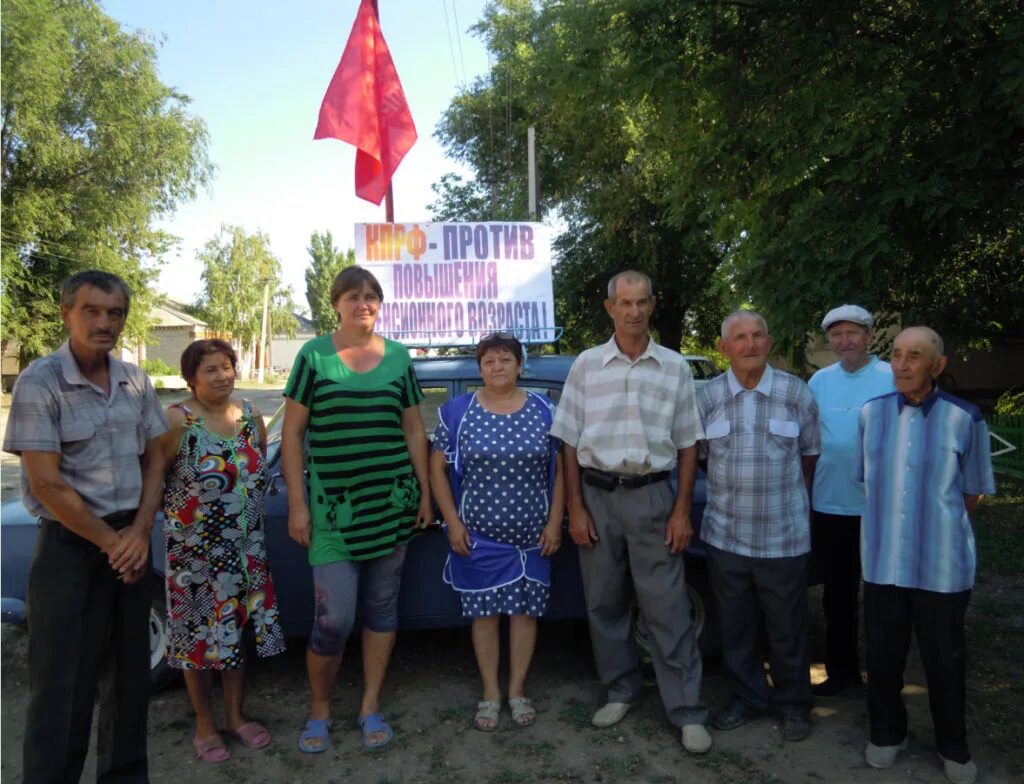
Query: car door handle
[[274, 486]]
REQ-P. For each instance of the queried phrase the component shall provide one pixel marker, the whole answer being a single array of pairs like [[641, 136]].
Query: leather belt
[[604, 480]]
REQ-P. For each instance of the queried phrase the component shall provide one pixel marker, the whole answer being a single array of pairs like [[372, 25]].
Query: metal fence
[[1007, 444]]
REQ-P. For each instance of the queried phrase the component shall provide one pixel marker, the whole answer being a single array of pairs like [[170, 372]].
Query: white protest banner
[[453, 283]]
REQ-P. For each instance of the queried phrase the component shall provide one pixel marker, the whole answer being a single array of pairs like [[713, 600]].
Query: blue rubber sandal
[[315, 730], [371, 723]]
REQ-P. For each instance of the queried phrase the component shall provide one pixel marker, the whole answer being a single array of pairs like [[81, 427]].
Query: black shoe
[[733, 715], [833, 687], [796, 727]]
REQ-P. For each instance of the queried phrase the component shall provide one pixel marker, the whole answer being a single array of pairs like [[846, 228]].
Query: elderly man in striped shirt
[[627, 418], [925, 461], [762, 441]]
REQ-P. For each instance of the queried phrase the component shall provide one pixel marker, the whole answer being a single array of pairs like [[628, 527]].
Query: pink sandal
[[254, 735], [211, 749]]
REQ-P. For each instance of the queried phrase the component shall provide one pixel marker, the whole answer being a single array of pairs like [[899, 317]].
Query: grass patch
[[542, 750], [999, 530], [452, 713], [576, 713], [622, 767]]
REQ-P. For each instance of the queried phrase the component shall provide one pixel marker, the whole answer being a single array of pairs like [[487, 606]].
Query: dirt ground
[[432, 690]]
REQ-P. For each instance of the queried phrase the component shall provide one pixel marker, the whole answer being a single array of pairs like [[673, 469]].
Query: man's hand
[[581, 525], [458, 538], [130, 552], [678, 532], [550, 538], [300, 525]]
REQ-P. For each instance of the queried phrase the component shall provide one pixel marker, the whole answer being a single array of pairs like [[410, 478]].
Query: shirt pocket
[[782, 437], [77, 438], [720, 428]]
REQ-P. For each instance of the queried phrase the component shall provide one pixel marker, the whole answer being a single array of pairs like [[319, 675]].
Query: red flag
[[365, 106]]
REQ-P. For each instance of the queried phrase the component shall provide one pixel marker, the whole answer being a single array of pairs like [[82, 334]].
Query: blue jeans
[[343, 588]]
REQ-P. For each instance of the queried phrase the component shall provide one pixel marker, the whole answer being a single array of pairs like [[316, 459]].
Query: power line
[[458, 37], [451, 48]]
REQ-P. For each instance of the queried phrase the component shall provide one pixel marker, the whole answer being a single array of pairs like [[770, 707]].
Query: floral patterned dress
[[218, 579]]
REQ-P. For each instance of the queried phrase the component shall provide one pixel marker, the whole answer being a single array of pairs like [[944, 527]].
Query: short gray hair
[[739, 315], [933, 337], [107, 282], [630, 276]]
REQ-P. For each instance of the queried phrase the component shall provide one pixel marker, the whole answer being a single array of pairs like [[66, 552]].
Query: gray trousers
[[630, 560], [85, 626]]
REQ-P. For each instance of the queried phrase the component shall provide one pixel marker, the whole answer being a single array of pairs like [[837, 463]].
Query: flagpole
[[389, 197]]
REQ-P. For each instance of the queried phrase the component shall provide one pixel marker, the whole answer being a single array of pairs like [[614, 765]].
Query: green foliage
[[94, 147], [790, 156], [157, 367], [326, 261], [1011, 403], [236, 268]]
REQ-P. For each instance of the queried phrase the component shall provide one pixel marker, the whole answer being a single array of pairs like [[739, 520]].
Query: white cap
[[853, 313]]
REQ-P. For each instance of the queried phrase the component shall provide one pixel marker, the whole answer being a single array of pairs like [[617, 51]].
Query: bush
[[1010, 403], [157, 367]]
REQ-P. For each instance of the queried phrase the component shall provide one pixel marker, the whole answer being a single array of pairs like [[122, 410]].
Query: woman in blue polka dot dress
[[496, 475]]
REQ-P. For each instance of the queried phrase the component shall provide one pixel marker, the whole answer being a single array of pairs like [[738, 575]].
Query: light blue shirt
[[917, 463], [840, 395]]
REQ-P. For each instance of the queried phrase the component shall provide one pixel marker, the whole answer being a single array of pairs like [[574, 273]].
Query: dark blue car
[[426, 602]]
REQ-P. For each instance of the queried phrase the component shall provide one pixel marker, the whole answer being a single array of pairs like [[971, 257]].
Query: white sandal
[[523, 713], [487, 711]]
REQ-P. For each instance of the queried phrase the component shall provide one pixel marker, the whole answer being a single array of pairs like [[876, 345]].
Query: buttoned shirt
[[628, 416], [839, 395], [99, 437], [754, 440], [917, 463]]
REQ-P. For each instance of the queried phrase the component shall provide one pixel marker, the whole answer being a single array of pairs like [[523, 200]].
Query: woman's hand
[[458, 538], [300, 525], [425, 515], [550, 538]]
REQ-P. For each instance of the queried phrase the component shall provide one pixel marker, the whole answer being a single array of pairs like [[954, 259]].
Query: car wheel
[[160, 674], [704, 622]]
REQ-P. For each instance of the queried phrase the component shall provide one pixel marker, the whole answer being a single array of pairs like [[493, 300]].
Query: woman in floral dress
[[218, 580]]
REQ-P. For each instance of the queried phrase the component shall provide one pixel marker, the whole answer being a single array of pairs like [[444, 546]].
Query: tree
[[236, 268], [602, 172], [787, 155], [326, 261], [94, 147]]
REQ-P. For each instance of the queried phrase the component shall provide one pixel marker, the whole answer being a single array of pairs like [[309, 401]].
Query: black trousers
[[938, 622], [835, 563], [88, 634], [773, 591]]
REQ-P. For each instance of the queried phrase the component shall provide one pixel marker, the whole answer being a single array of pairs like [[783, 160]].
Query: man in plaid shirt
[[761, 443]]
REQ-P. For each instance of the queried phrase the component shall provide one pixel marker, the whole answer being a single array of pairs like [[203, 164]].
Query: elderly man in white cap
[[837, 499]]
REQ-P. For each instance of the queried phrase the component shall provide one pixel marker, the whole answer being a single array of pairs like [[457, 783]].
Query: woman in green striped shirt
[[355, 396]]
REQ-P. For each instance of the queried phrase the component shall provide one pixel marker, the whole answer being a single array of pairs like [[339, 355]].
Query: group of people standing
[[869, 468]]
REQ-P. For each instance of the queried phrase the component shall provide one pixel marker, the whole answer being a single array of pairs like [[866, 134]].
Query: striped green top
[[363, 494]]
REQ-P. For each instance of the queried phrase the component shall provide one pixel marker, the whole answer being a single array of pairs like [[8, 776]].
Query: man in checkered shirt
[[761, 443]]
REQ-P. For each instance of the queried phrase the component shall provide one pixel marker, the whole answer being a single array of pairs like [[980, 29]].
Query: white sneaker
[[883, 756], [610, 714], [959, 772], [696, 739]]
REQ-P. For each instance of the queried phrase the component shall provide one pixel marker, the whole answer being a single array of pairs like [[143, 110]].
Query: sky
[[256, 72]]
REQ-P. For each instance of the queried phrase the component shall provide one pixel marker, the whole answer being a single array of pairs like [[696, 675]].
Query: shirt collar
[[73, 374], [925, 405], [764, 386], [612, 351]]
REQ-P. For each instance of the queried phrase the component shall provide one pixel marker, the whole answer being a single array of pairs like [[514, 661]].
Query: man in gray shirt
[[86, 427], [627, 418]]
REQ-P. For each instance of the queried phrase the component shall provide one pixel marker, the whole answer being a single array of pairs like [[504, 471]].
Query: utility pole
[[531, 170], [262, 353]]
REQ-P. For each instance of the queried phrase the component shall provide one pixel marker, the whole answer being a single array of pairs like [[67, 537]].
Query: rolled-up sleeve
[[977, 461], [568, 424], [33, 421], [810, 433], [686, 424], [153, 418]]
